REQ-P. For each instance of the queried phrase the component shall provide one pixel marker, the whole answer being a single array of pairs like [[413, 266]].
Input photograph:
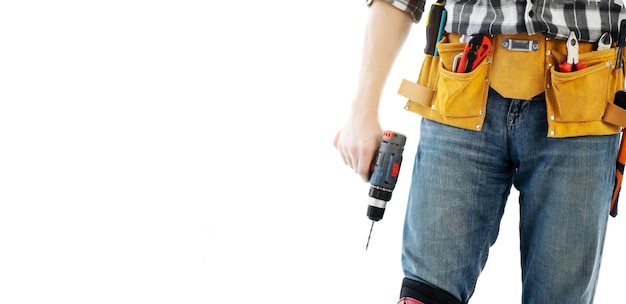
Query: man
[[518, 120]]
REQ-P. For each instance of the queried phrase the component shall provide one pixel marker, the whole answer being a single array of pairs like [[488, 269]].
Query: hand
[[358, 143]]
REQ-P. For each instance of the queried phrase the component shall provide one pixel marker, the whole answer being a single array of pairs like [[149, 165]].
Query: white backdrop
[[181, 152]]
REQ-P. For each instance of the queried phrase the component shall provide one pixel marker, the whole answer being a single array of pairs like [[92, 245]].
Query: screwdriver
[[621, 43], [384, 172], [619, 174], [435, 22], [620, 101]]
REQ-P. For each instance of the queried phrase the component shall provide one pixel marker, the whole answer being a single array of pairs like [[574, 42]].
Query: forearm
[[386, 31]]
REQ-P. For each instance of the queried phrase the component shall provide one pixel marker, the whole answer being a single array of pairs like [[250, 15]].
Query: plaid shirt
[[589, 19]]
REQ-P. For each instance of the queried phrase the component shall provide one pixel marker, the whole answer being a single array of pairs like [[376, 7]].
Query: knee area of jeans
[[415, 292]]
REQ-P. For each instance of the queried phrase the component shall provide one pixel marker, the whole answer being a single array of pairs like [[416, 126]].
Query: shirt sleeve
[[415, 8]]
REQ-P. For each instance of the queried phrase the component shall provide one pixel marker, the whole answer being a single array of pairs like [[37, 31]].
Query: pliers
[[572, 64]]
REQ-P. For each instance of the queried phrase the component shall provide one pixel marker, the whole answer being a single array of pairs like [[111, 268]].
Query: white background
[[181, 152]]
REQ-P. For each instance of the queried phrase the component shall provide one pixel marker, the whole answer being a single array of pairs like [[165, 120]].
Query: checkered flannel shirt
[[589, 19]]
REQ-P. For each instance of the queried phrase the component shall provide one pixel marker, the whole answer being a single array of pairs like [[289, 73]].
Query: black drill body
[[384, 173]]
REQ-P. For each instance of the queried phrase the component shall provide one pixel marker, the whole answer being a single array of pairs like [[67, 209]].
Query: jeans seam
[[486, 246]]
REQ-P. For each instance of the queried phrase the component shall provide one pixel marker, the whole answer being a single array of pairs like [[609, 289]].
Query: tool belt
[[521, 66]]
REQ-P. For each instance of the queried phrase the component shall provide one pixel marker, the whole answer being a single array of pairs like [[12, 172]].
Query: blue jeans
[[461, 182]]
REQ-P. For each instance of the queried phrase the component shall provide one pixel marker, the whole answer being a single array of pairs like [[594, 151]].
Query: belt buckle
[[520, 45]]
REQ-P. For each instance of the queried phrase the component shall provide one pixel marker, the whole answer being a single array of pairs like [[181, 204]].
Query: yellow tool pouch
[[456, 99], [578, 103]]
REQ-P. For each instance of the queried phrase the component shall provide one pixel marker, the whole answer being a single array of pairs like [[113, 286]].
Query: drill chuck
[[376, 209], [378, 201]]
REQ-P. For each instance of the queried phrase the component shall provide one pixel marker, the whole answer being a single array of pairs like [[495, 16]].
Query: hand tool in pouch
[[384, 172], [621, 43], [572, 63], [619, 174], [434, 27], [475, 51], [620, 101]]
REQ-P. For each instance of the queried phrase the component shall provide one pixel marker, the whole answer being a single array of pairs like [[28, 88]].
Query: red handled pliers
[[572, 64]]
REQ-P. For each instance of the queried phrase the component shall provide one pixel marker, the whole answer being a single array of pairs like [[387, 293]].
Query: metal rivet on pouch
[[488, 60], [551, 117], [481, 112], [548, 85], [551, 133], [548, 53], [486, 79], [609, 64], [478, 127], [549, 65]]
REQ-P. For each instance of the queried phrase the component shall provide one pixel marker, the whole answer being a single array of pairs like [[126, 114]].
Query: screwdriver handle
[[621, 43], [434, 26]]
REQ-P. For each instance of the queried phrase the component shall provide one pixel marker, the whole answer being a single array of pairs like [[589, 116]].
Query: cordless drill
[[384, 172]]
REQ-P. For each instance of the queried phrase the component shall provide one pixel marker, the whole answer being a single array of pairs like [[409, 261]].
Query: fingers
[[363, 168], [357, 155]]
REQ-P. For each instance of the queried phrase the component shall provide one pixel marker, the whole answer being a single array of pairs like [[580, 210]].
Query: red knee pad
[[407, 300]]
